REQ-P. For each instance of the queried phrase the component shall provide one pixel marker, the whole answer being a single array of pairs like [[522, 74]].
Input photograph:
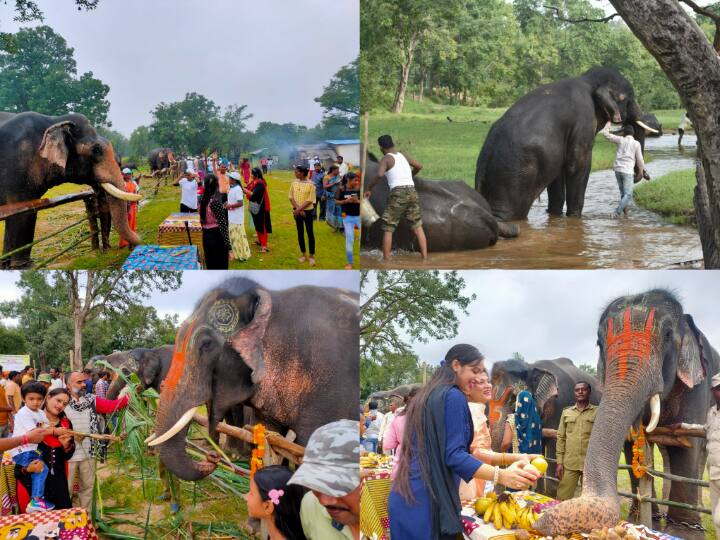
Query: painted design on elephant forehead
[[224, 317], [177, 366], [629, 343], [496, 405]]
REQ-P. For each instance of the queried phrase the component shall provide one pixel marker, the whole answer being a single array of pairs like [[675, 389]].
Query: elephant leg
[[556, 196], [577, 173], [19, 231], [91, 210], [685, 462]]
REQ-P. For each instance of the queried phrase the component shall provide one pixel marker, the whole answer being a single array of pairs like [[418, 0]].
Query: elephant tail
[[506, 230]]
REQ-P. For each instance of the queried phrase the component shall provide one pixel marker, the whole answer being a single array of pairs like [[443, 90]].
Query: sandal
[[312, 261], [302, 259]]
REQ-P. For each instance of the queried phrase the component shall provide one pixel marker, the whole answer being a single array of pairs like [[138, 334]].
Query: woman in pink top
[[394, 434]]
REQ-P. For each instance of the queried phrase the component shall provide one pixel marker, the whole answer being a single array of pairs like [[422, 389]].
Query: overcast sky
[[197, 283], [275, 56], [549, 314]]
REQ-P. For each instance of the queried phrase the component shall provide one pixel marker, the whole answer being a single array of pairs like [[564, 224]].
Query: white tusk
[[645, 126], [177, 428], [150, 438], [654, 413], [119, 193]]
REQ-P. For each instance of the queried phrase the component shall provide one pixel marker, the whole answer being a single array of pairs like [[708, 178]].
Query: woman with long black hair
[[257, 193], [213, 218], [425, 502]]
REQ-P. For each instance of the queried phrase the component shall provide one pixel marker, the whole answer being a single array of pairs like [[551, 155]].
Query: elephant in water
[[545, 140], [656, 367], [38, 152], [246, 345], [455, 217]]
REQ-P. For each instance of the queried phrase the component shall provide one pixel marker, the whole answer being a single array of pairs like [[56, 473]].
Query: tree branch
[[584, 19], [701, 10]]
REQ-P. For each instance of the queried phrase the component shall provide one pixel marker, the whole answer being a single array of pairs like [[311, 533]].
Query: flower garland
[[638, 450], [256, 461]]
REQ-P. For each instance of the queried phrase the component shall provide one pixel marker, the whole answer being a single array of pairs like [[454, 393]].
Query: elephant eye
[[97, 150]]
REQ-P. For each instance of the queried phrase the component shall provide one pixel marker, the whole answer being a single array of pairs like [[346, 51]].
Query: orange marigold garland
[[256, 460], [638, 450]]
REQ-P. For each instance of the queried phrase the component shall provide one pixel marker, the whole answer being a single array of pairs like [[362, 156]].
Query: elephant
[[246, 345], [455, 217], [651, 121], [383, 397], [655, 366], [38, 152], [551, 382], [150, 365], [160, 158], [545, 140]]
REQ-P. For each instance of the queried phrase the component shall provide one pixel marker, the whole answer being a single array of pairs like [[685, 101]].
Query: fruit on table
[[371, 460], [504, 511], [482, 504], [532, 468], [540, 464]]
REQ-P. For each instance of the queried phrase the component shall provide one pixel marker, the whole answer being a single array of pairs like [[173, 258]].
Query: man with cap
[[331, 470], [45, 379], [130, 187], [712, 446]]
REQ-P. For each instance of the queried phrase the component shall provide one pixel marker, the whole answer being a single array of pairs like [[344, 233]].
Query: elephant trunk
[[172, 450], [506, 230], [599, 505], [119, 216], [115, 388]]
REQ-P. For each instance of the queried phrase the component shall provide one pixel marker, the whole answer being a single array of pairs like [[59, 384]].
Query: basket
[[174, 232]]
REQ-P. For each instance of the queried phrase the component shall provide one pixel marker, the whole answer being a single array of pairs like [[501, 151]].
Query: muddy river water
[[597, 240]]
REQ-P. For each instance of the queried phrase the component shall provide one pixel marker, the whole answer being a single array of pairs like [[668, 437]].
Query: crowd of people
[[47, 423], [219, 192]]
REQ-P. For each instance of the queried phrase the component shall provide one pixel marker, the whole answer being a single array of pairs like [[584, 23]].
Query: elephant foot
[[554, 212], [506, 230], [579, 515], [681, 531], [574, 214]]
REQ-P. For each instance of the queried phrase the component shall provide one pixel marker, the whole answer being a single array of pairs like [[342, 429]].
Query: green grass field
[[450, 149], [670, 195], [284, 251]]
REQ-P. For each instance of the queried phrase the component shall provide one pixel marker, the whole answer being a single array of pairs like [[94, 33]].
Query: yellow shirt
[[4, 403], [573, 436], [13, 391], [303, 192], [27, 378], [317, 523]]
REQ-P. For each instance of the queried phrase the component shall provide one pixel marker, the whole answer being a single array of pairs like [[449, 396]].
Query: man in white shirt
[[344, 168], [189, 195], [628, 159], [372, 432], [236, 219], [57, 378], [684, 121]]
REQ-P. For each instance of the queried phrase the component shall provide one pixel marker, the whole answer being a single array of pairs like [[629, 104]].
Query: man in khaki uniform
[[712, 436], [573, 436]]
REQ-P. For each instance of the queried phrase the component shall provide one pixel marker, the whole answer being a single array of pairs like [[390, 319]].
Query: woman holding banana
[[424, 503]]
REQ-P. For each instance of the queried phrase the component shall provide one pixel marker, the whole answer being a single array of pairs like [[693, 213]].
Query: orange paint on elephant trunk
[[628, 343]]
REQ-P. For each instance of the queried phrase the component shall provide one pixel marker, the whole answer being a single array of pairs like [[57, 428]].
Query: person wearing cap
[[189, 192], [130, 187], [330, 469], [45, 379], [712, 446], [236, 219]]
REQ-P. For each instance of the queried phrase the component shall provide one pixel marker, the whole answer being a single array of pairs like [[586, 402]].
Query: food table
[[162, 258], [375, 479], [180, 229], [70, 524]]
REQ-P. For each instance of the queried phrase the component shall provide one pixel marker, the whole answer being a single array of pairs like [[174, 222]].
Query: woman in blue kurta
[[424, 502]]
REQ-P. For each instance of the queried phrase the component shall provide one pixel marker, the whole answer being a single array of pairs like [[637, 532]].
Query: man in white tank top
[[403, 202]]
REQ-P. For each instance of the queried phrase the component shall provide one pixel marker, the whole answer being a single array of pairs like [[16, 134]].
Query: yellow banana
[[511, 513], [487, 517], [497, 517]]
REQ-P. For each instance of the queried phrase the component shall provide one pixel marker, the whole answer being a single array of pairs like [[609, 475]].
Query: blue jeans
[[349, 223], [38, 479], [370, 444], [626, 182]]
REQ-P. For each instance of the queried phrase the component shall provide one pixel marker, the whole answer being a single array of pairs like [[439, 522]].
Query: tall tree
[[141, 142], [40, 75], [341, 97], [12, 341], [390, 371]]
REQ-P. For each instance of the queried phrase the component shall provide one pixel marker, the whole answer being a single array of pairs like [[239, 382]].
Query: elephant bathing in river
[[244, 344], [655, 365], [545, 140], [38, 152], [455, 217]]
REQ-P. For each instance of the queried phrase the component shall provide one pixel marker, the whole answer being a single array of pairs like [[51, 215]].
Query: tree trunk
[[692, 65], [399, 101]]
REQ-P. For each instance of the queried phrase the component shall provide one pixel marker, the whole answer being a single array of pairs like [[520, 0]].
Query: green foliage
[[12, 341], [587, 368], [491, 52], [341, 98], [140, 143], [28, 10], [39, 74], [120, 142], [670, 195], [400, 307], [196, 125], [388, 371]]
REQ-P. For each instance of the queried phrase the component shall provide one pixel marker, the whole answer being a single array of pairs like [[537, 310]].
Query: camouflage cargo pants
[[403, 203]]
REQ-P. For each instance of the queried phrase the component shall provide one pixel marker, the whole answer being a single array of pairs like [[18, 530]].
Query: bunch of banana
[[503, 511], [369, 461]]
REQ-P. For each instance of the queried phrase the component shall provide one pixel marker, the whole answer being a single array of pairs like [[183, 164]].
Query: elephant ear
[[248, 340], [691, 368], [544, 386], [54, 146], [605, 102]]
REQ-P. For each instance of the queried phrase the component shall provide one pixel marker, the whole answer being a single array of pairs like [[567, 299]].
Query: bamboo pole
[[364, 150], [666, 502]]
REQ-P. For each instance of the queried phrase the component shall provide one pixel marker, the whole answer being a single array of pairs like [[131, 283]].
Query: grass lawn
[[450, 150], [284, 251], [670, 195]]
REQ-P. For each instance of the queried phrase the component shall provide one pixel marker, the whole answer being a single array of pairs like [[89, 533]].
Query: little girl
[[273, 501]]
